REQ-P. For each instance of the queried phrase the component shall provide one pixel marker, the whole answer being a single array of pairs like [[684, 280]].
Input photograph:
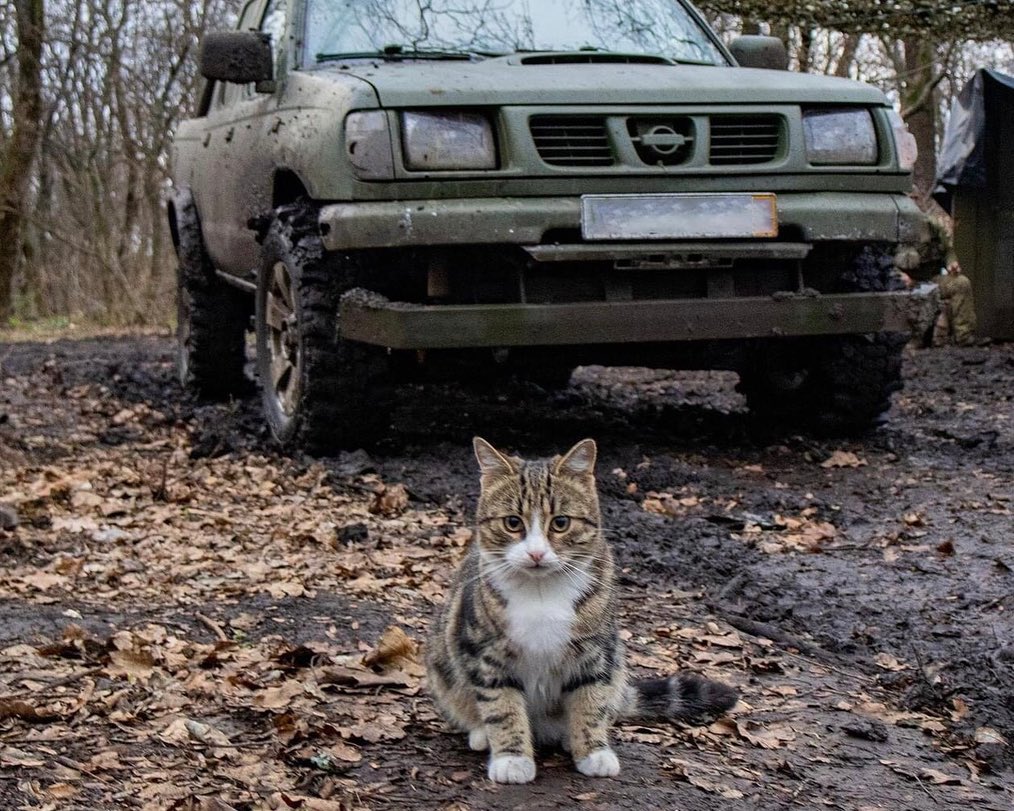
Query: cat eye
[[560, 523], [513, 523]]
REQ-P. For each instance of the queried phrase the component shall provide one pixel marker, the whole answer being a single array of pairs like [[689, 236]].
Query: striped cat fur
[[526, 651]]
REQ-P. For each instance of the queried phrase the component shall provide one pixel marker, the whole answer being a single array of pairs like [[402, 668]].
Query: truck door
[[236, 180]]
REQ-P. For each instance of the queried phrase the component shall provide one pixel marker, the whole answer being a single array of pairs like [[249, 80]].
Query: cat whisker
[[588, 557], [574, 575], [486, 570], [579, 576]]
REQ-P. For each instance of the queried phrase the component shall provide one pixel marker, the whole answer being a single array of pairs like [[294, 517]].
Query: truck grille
[[584, 140], [565, 140], [740, 139]]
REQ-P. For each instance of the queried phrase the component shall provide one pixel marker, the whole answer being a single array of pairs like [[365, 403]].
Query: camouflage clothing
[[956, 321], [957, 315]]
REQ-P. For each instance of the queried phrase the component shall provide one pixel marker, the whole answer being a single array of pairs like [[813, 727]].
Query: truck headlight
[[838, 137], [447, 141], [904, 142], [368, 144]]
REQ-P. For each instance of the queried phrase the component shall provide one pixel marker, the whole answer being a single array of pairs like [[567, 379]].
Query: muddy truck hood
[[507, 81]]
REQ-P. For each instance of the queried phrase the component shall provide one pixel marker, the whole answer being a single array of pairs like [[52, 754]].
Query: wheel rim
[[284, 353]]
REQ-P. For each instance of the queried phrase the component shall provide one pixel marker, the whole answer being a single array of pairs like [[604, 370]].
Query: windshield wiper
[[397, 53]]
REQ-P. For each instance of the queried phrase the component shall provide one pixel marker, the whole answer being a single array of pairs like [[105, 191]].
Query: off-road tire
[[340, 394], [211, 325], [837, 386]]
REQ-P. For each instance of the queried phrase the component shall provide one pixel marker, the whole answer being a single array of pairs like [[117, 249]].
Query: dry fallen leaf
[[767, 736], [888, 662], [939, 778], [395, 650], [391, 501], [691, 774], [205, 733], [109, 760], [18, 758], [15, 708], [275, 698], [989, 735], [384, 728], [344, 752], [343, 676], [135, 665], [61, 791], [668, 504], [843, 459]]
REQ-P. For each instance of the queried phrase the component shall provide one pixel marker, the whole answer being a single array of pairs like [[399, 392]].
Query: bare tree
[[19, 150], [115, 78], [907, 47]]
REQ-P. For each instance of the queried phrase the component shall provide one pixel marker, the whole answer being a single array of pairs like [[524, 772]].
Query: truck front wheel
[[319, 392], [837, 385]]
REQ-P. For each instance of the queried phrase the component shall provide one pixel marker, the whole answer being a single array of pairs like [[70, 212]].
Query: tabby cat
[[526, 651]]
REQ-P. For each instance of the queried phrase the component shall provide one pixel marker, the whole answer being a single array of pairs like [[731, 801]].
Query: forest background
[[91, 90]]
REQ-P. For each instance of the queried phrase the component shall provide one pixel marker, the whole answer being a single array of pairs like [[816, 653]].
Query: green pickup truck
[[394, 188]]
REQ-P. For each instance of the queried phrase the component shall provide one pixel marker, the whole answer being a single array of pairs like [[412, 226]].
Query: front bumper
[[372, 319], [808, 216]]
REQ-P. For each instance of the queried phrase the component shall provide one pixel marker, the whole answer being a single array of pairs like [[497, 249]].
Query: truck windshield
[[400, 28]]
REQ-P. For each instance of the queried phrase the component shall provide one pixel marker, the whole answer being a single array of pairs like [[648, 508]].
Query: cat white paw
[[477, 740], [511, 769], [600, 763]]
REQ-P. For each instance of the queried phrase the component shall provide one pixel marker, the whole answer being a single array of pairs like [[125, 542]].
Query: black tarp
[[983, 108]]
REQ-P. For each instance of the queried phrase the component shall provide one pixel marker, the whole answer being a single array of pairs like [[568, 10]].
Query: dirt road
[[190, 620]]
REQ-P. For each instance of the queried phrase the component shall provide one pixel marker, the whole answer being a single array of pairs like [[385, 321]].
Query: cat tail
[[676, 698]]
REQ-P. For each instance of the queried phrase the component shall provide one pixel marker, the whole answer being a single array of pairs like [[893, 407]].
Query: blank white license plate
[[678, 216]]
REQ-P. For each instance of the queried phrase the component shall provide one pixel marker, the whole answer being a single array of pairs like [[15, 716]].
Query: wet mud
[[879, 568]]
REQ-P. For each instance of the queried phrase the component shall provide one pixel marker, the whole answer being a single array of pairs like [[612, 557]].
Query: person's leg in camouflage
[[942, 326], [962, 313], [957, 316]]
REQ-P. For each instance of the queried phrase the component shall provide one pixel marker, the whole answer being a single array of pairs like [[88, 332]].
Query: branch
[[926, 94]]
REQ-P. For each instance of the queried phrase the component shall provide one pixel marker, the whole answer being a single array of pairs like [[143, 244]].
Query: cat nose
[[537, 556]]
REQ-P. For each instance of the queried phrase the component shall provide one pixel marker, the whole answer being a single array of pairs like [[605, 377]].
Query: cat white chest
[[539, 621]]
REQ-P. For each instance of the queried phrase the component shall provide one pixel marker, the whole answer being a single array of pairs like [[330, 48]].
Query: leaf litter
[[184, 663]]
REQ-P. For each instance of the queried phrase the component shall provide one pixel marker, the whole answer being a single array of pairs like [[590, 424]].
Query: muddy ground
[[191, 620]]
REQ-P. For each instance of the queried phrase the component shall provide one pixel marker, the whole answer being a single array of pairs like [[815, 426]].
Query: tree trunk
[[919, 108], [15, 172], [806, 37], [847, 56]]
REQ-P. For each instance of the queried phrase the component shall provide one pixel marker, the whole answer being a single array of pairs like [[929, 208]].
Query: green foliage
[[946, 19]]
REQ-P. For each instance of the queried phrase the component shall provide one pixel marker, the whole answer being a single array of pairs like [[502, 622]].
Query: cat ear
[[491, 461], [579, 460]]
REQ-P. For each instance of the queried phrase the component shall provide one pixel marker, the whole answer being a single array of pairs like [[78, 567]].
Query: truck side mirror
[[753, 51], [239, 57]]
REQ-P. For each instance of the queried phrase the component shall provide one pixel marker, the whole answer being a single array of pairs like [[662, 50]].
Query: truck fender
[[185, 228]]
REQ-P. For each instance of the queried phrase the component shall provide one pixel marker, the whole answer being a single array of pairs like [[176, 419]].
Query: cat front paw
[[478, 741], [512, 769], [600, 763]]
